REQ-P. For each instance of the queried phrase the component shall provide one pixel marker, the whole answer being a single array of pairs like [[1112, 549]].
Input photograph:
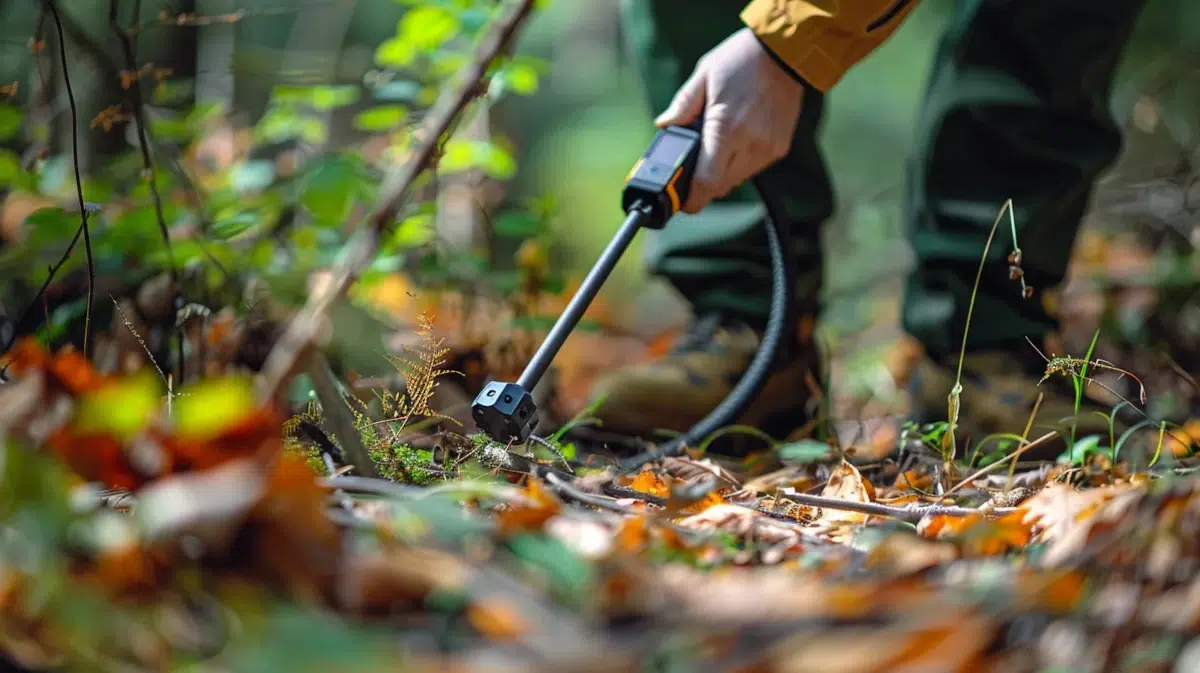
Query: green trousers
[[1017, 106]]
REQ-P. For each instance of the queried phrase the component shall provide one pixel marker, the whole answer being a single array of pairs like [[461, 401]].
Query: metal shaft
[[579, 303]]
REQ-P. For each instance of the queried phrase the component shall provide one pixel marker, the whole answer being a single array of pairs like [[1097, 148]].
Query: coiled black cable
[[783, 274]]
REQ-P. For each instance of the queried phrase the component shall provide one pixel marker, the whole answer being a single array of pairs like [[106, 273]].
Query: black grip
[[660, 182]]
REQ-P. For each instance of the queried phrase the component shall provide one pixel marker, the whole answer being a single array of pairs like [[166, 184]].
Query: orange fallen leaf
[[496, 619], [978, 535], [529, 516], [647, 481]]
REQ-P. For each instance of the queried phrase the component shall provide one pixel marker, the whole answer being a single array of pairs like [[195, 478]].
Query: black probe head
[[506, 412]]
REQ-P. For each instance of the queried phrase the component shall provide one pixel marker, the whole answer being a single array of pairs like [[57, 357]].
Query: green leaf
[[10, 167], [516, 224], [10, 120], [521, 78], [427, 27], [463, 155], [395, 53], [414, 231], [235, 225], [1081, 450], [330, 97], [805, 452], [123, 409], [50, 225], [331, 187], [211, 407], [380, 118]]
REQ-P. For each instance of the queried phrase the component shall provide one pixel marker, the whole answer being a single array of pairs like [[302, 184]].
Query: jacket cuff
[[780, 62], [802, 47]]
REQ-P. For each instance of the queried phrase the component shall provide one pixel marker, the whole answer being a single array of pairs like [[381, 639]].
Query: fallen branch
[[284, 358], [909, 514]]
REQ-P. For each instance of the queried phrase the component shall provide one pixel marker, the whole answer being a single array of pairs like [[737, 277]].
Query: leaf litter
[[138, 536]]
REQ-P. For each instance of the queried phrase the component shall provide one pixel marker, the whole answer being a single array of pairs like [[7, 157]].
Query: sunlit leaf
[[10, 120], [10, 167], [395, 53], [428, 27], [521, 78], [211, 406], [380, 118], [123, 409], [412, 232], [330, 97]]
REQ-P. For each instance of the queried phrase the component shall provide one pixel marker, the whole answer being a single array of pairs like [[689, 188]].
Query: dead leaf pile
[[227, 546]]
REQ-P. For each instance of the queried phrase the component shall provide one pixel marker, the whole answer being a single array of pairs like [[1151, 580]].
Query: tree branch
[[288, 352]]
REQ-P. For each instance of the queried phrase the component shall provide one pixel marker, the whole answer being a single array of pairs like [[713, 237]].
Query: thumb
[[687, 104]]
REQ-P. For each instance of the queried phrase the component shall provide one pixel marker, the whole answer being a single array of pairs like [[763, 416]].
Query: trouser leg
[[718, 258], [1017, 108]]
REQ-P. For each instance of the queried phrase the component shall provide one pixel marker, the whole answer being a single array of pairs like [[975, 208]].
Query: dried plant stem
[[83, 211], [953, 401]]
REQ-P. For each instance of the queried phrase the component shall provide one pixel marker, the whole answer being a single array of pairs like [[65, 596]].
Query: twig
[[352, 484], [910, 514], [986, 470], [134, 100], [281, 362], [338, 413], [83, 211], [549, 446], [565, 489]]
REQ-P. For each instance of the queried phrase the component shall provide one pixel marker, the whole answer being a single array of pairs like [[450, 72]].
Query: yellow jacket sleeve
[[822, 39]]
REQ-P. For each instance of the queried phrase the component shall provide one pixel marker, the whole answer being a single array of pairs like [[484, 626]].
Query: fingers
[[712, 165], [687, 104]]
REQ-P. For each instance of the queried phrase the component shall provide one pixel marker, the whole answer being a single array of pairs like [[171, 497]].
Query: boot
[[675, 392]]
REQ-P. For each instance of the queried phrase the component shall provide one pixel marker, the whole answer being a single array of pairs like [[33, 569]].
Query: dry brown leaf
[[788, 477], [906, 554], [946, 642], [743, 522], [688, 469], [1057, 510], [383, 581], [845, 483]]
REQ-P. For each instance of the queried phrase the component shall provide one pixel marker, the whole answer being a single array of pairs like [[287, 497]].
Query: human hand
[[750, 106]]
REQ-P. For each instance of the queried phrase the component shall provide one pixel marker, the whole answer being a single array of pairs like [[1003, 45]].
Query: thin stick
[[910, 514], [986, 470], [78, 176], [567, 490], [134, 100], [283, 359]]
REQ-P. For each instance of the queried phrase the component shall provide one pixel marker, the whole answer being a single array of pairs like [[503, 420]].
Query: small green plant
[[948, 447]]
